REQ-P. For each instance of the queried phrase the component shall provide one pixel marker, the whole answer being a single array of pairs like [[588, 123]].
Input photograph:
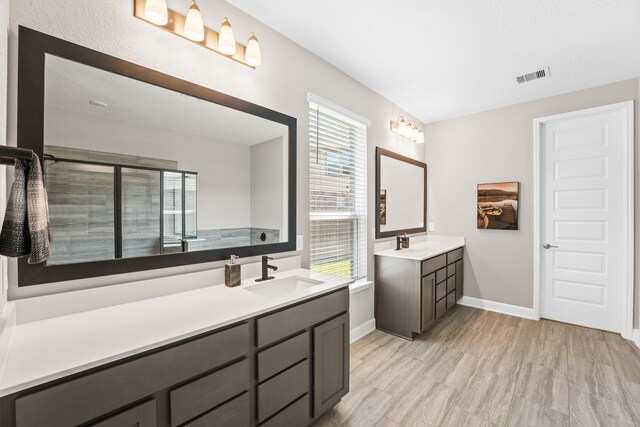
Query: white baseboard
[[635, 337], [361, 331], [498, 307]]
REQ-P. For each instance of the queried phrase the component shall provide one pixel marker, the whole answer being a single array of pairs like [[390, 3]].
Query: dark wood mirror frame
[[33, 47], [382, 234]]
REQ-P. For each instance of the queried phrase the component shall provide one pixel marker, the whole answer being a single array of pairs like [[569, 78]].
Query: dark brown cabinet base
[[252, 373], [410, 295]]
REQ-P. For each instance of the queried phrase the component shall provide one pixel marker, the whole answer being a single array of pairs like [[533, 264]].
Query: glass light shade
[[193, 26], [226, 40], [402, 126], [420, 137], [415, 134], [252, 55], [408, 132], [156, 12]]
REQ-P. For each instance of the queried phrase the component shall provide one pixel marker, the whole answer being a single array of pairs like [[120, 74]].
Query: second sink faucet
[[265, 269]]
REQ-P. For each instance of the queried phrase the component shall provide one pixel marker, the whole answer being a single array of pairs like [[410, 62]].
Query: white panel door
[[582, 219]]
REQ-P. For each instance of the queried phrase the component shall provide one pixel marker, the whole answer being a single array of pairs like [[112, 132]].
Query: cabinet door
[[330, 363], [143, 415], [427, 313], [459, 278]]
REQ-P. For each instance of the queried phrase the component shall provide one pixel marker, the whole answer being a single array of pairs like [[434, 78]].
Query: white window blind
[[338, 193]]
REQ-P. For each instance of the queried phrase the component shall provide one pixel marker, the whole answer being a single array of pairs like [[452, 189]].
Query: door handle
[[548, 246]]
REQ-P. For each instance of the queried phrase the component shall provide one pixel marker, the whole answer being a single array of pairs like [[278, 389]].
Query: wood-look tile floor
[[478, 368]]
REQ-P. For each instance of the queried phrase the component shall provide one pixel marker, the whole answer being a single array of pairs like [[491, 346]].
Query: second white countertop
[[45, 350], [424, 247]]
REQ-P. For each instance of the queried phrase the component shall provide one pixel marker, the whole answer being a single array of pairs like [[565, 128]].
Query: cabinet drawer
[[287, 322], [451, 270], [451, 299], [441, 275], [432, 264], [441, 290], [201, 395], [454, 255], [451, 284], [236, 413], [106, 390], [143, 415], [441, 307], [282, 389], [295, 415], [283, 355]]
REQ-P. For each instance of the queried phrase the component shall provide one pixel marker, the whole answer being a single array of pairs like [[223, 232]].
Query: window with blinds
[[338, 193]]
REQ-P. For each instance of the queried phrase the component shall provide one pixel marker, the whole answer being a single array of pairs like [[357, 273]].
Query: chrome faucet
[[265, 269]]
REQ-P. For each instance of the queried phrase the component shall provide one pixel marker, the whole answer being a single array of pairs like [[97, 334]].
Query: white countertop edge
[[423, 250], [333, 284]]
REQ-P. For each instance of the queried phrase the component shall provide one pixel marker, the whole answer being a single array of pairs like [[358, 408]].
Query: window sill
[[359, 286]]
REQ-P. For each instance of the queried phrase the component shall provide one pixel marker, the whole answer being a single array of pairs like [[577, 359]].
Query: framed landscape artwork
[[498, 205]]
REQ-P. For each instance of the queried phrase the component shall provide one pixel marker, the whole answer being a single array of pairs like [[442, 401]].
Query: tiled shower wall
[[81, 205], [81, 209]]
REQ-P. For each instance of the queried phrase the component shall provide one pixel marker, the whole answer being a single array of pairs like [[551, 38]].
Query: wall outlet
[[299, 242], [432, 226]]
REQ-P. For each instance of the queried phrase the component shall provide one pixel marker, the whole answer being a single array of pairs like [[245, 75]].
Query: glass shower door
[[172, 211]]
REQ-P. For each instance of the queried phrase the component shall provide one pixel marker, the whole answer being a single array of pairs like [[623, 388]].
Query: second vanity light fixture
[[407, 130], [192, 27]]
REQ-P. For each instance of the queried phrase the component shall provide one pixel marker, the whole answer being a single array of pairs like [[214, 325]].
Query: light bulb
[[156, 12], [193, 26], [421, 137], [252, 55], [402, 126], [226, 41]]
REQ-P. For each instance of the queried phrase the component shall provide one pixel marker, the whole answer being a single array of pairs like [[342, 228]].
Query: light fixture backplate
[[176, 26]]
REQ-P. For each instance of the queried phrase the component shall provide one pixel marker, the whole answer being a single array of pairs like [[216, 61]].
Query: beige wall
[[288, 73], [496, 146]]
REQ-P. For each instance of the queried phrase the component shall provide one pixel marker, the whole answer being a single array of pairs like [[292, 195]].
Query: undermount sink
[[286, 285]]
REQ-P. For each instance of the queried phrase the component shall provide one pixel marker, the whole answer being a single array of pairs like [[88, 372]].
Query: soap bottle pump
[[232, 274]]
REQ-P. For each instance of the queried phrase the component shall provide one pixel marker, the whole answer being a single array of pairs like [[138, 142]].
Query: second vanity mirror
[[401, 184], [144, 170]]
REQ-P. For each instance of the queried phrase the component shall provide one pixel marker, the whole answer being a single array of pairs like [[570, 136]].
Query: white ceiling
[[71, 86], [444, 58]]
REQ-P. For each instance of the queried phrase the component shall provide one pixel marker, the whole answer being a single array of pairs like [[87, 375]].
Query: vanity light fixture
[[407, 130], [191, 27], [226, 40], [156, 12]]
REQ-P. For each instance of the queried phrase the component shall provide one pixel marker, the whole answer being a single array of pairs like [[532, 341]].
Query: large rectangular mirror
[[401, 184], [144, 170]]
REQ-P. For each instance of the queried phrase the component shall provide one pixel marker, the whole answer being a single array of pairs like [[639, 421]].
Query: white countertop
[[48, 349], [427, 247]]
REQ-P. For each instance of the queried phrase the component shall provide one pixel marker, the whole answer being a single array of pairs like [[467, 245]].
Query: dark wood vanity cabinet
[[410, 295], [284, 368]]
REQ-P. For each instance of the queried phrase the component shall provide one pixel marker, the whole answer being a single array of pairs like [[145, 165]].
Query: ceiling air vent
[[532, 76]]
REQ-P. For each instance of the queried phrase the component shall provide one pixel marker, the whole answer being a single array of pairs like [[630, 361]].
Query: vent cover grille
[[533, 76]]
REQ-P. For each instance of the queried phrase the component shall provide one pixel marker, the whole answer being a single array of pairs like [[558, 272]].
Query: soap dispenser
[[232, 274]]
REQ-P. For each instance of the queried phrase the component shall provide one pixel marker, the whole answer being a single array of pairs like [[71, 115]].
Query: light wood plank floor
[[478, 368]]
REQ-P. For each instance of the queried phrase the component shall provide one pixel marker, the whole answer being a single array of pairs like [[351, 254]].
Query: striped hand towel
[[25, 230], [15, 240], [37, 213]]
